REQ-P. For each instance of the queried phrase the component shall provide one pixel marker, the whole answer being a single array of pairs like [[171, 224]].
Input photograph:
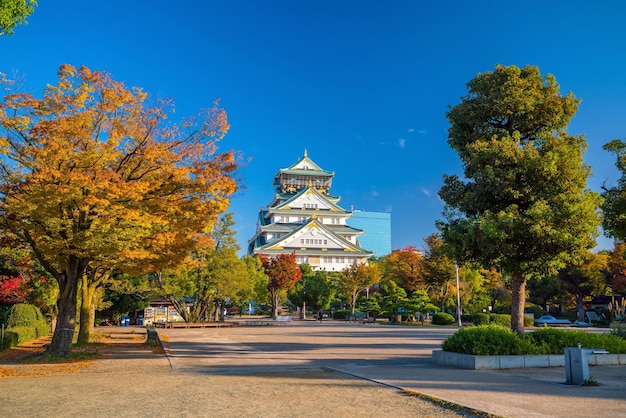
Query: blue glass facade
[[376, 228]]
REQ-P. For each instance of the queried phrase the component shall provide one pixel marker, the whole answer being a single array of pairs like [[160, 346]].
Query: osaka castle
[[306, 219]]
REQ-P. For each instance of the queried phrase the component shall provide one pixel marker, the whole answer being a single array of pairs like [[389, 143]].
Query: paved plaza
[[299, 369], [399, 357]]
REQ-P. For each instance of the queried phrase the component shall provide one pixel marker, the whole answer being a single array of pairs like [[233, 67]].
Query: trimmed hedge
[[23, 315], [442, 318], [497, 319], [25, 323], [487, 340], [480, 319], [341, 314]]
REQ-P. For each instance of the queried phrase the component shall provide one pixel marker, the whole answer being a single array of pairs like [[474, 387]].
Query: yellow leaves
[[102, 176]]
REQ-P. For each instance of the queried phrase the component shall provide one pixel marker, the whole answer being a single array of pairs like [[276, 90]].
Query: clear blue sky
[[362, 85]]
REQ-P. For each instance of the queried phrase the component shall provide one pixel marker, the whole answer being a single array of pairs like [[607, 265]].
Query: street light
[[458, 296]]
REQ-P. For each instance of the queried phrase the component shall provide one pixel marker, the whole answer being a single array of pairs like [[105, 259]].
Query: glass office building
[[376, 228]]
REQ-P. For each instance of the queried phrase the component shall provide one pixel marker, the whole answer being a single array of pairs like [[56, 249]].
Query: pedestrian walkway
[[398, 357]]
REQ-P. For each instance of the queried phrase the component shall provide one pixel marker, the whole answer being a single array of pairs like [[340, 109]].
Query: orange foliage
[[406, 267], [93, 172]]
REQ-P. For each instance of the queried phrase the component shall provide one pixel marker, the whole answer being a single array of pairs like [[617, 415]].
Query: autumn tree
[[355, 279], [406, 267], [439, 270], [283, 274], [584, 278], [615, 272], [91, 173], [523, 203], [13, 13]]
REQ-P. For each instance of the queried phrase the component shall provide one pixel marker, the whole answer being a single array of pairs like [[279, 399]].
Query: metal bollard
[[577, 365]]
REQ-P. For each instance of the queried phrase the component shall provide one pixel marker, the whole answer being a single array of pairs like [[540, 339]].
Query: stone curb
[[470, 362]]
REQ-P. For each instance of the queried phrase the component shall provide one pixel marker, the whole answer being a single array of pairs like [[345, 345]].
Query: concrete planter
[[467, 361]]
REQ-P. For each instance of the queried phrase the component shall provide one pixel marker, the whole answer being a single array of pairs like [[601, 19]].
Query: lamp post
[[458, 296]]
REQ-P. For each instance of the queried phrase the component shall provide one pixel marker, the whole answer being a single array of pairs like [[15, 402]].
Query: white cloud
[[411, 130], [426, 192], [375, 193], [401, 142]]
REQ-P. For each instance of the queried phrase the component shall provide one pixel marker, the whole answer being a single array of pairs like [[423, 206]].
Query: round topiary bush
[[24, 315], [442, 318], [480, 319]]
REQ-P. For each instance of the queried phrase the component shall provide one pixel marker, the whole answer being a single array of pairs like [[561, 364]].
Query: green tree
[[394, 297], [523, 204], [90, 174], [212, 275], [545, 291], [314, 290], [258, 278], [614, 204], [13, 13]]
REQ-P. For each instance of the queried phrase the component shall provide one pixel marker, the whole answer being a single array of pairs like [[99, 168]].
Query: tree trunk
[[61, 343], [580, 309], [517, 303], [87, 310], [275, 301]]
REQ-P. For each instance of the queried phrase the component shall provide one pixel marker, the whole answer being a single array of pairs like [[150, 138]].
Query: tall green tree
[[523, 204], [314, 290], [13, 13], [258, 278]]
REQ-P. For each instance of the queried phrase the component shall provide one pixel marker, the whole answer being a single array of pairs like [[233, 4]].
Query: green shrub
[[25, 323], [442, 318], [480, 319], [528, 321], [554, 341], [24, 315], [486, 340], [537, 311], [496, 340], [503, 320], [619, 330], [18, 335], [341, 314]]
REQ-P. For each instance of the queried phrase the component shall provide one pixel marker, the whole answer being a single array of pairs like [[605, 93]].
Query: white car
[[551, 321]]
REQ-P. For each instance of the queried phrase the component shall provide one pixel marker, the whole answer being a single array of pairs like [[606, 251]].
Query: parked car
[[551, 321]]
